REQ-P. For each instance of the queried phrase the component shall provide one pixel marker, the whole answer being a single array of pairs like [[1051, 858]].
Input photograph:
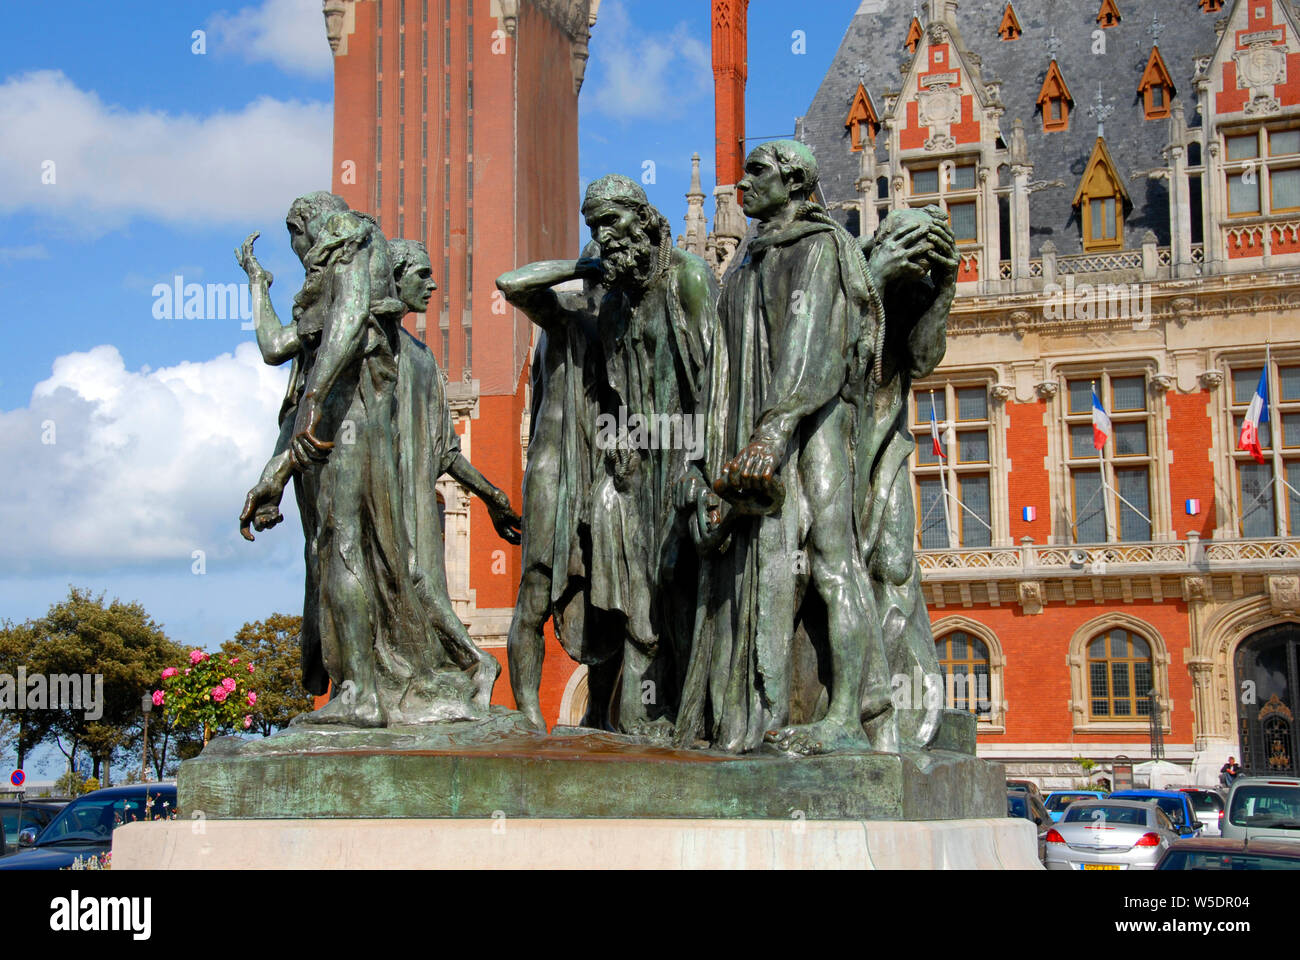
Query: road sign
[[17, 778]]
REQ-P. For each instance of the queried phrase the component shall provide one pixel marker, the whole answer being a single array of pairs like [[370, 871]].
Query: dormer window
[[1009, 28], [862, 119], [1211, 6], [1054, 99], [1156, 87], [1100, 200], [1108, 15], [914, 35]]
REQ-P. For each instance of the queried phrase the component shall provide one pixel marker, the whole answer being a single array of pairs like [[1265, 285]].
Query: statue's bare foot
[[485, 678], [810, 739], [348, 709], [658, 732]]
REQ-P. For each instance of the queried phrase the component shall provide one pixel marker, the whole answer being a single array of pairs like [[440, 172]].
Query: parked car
[[1263, 807], [1208, 804], [1109, 835], [1025, 785], [1022, 803], [1222, 853], [84, 828], [1058, 800], [1177, 806], [17, 817]]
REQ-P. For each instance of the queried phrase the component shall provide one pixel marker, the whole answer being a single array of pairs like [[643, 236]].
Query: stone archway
[[1266, 666]]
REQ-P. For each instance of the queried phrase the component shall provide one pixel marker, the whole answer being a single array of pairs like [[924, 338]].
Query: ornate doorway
[[1268, 681]]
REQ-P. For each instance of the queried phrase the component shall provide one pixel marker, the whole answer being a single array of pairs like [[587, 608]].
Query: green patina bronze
[[746, 599]]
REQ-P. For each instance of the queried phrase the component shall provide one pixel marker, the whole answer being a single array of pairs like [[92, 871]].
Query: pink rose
[[196, 657], [219, 694], [229, 684], [158, 698], [252, 698], [250, 668], [248, 721], [187, 671], [169, 672], [234, 659]]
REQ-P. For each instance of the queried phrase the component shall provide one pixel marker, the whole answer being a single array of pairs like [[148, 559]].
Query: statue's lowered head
[[635, 238]]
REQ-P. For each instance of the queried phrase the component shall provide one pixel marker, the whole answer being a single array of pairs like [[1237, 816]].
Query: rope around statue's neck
[[814, 212]]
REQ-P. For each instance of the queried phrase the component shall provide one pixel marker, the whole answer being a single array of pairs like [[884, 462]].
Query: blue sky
[[130, 439]]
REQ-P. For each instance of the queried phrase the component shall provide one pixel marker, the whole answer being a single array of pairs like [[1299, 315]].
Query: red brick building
[[1126, 195], [456, 123]]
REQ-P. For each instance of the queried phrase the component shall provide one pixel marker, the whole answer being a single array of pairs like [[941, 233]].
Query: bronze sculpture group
[[717, 514]]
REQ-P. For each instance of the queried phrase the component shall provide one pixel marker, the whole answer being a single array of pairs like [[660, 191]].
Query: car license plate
[[1101, 866]]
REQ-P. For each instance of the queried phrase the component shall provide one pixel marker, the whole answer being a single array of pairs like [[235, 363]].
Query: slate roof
[[873, 44]]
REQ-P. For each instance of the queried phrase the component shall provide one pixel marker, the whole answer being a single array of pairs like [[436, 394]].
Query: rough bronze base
[[497, 768]]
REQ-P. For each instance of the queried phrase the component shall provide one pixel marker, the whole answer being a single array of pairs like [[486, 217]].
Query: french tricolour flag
[[1100, 421], [934, 434], [1255, 415]]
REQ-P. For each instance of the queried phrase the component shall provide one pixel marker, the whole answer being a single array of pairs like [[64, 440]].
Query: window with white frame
[[1262, 487], [1110, 493], [1262, 168], [964, 517]]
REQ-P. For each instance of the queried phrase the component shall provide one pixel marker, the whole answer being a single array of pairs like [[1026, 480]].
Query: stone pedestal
[[506, 843]]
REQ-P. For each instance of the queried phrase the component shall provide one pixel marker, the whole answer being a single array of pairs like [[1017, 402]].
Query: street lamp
[[146, 704]]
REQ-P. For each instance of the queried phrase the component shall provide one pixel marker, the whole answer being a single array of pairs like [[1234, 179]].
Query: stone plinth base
[[494, 769], [504, 844]]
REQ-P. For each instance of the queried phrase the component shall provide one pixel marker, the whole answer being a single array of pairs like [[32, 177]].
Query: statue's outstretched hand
[[248, 261], [508, 524]]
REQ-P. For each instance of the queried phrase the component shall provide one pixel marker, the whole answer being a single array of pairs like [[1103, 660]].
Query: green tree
[[118, 641], [272, 646], [26, 728]]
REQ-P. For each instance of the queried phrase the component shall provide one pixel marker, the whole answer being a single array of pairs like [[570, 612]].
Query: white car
[[1263, 807], [1109, 835]]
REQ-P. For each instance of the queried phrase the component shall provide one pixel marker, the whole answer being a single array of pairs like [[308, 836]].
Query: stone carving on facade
[[1020, 320], [1211, 379], [1002, 392], [1262, 65], [1032, 596], [1197, 589], [1284, 594], [939, 105], [1262, 106], [1047, 389], [1162, 383], [1182, 307], [940, 142]]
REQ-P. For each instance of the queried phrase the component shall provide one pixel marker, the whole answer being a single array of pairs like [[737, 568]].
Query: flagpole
[[1106, 487], [943, 475], [1280, 486]]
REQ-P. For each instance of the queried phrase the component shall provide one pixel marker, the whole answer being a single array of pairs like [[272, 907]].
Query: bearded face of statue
[[626, 251]]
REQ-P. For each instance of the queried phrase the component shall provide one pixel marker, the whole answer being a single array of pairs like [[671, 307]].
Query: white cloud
[[33, 251], [145, 467], [642, 74], [109, 164], [287, 33]]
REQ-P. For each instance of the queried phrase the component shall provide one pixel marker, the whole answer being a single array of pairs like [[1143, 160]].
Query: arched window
[[1120, 676], [1115, 660], [964, 666]]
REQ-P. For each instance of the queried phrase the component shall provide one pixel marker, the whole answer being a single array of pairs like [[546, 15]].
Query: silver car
[[1109, 835], [1263, 808]]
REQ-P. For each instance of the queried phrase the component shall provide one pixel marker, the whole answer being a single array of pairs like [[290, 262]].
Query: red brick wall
[[1028, 481], [1191, 473], [1036, 678]]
